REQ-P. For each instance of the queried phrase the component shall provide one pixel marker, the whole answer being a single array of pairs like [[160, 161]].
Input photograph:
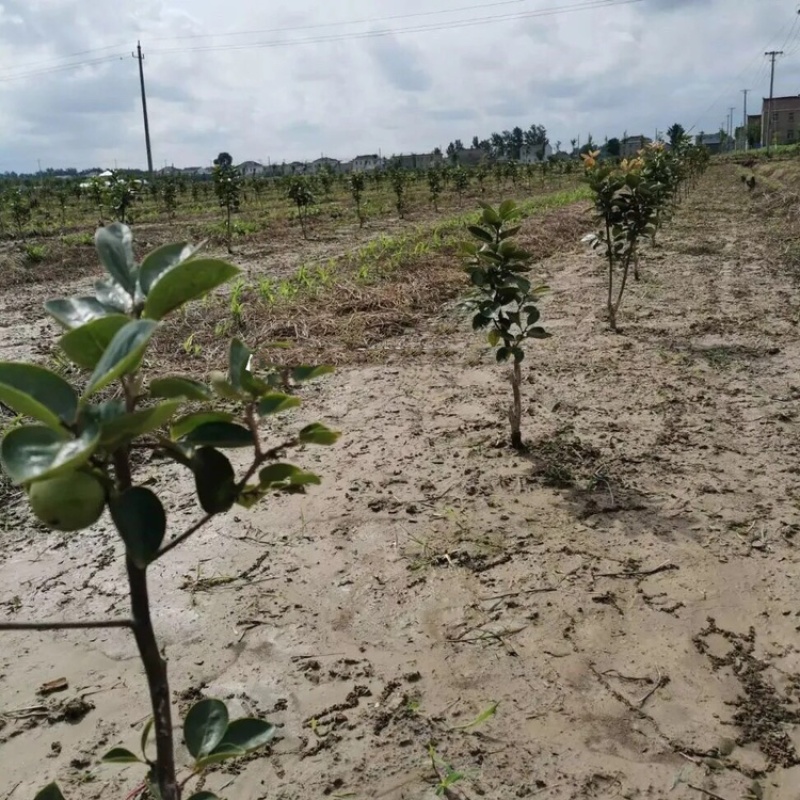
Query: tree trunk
[[155, 667], [515, 412]]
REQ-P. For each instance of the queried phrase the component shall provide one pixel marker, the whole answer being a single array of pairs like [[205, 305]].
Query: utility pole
[[139, 56], [731, 124], [772, 55], [744, 121]]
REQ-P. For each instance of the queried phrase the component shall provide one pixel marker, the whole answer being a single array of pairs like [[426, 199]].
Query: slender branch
[[65, 625], [184, 536]]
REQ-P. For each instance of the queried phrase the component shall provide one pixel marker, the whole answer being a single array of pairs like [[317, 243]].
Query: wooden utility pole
[[772, 55], [744, 121], [139, 56]]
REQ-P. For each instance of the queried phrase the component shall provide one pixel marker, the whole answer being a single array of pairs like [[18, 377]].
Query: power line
[[89, 63], [367, 21], [56, 59], [585, 5], [760, 69]]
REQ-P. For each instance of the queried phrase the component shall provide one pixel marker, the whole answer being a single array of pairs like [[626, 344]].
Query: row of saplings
[[75, 460]]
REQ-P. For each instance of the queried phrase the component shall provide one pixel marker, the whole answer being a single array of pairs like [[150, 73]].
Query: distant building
[[780, 120], [367, 163], [631, 145], [323, 163], [711, 141], [251, 169]]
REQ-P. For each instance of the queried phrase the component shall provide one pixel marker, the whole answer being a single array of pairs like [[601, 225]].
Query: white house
[[535, 153], [323, 163], [366, 163], [251, 168]]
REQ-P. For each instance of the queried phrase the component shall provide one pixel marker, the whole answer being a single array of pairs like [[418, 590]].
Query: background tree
[[227, 187], [300, 194], [223, 160], [614, 147], [675, 134], [357, 185]]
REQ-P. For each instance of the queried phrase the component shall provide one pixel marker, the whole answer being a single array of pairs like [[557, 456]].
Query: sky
[[284, 81]]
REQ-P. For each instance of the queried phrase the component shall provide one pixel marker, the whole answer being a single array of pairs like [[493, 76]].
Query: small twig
[[706, 792], [656, 686], [665, 567], [316, 655], [55, 625]]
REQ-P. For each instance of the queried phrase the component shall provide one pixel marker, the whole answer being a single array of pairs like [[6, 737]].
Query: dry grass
[[347, 321]]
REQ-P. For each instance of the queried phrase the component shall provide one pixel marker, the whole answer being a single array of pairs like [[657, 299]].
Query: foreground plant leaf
[[141, 521], [205, 726], [215, 480], [86, 344], [36, 452], [38, 393], [122, 355], [186, 281]]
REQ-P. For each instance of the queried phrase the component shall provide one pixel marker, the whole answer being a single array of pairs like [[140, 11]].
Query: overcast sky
[[631, 67]]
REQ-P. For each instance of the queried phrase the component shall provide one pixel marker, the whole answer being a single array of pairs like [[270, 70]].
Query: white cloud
[[632, 67]]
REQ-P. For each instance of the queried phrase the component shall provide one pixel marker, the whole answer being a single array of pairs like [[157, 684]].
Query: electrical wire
[[367, 21], [56, 59], [585, 5], [62, 68], [759, 73]]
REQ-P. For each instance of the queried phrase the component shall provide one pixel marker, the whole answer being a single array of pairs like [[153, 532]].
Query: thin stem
[[515, 412], [610, 252], [65, 625], [184, 536], [155, 668]]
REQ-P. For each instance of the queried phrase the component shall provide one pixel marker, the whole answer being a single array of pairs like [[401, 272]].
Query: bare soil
[[615, 614]]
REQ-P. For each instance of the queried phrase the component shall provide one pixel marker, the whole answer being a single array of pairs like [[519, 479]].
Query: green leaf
[[494, 338], [248, 733], [219, 434], [119, 755], [222, 752], [279, 476], [508, 209], [111, 294], [503, 354], [161, 260], [203, 796], [509, 232], [188, 423], [303, 374], [238, 364], [86, 344], [316, 433], [177, 386], [537, 333], [35, 452], [50, 792], [114, 245], [37, 392], [186, 281], [223, 388], [215, 480], [487, 713], [73, 312], [489, 215], [148, 727], [480, 233], [276, 402], [205, 726], [130, 425], [141, 521], [122, 355]]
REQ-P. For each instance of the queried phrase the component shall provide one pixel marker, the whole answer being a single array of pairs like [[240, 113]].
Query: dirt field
[[625, 599]]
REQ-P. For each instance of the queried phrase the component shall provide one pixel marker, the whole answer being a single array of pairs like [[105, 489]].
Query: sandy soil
[[626, 596]]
